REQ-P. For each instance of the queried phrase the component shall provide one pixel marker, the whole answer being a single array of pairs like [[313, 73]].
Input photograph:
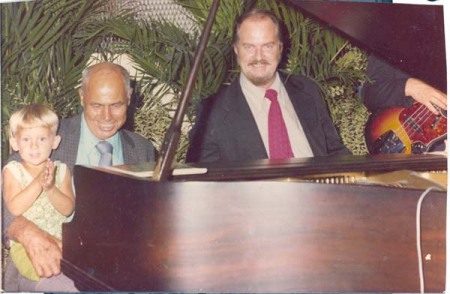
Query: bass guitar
[[405, 130]]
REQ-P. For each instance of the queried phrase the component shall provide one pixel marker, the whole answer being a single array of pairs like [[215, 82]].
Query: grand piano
[[373, 223]]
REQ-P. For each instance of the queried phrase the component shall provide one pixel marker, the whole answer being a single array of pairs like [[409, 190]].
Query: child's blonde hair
[[32, 116]]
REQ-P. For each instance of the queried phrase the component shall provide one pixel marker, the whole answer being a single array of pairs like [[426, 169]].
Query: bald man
[[105, 96]]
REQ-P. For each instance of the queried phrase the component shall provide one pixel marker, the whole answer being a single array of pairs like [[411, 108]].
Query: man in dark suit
[[238, 123], [105, 95], [390, 87]]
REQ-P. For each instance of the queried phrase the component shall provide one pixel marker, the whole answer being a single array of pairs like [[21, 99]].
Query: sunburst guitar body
[[405, 130]]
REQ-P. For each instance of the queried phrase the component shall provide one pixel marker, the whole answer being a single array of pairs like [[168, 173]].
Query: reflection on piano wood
[[134, 234]]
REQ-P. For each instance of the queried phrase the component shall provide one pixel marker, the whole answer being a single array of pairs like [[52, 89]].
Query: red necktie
[[279, 144]]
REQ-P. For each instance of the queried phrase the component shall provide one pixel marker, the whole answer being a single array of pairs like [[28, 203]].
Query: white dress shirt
[[260, 110]]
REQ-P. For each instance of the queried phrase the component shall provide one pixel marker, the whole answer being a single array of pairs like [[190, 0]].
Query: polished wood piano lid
[[409, 37]]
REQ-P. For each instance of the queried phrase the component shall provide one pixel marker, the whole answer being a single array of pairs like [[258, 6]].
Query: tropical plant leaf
[[43, 54], [46, 44]]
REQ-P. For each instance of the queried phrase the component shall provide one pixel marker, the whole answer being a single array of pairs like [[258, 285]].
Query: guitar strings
[[414, 119], [420, 119], [408, 126], [402, 130]]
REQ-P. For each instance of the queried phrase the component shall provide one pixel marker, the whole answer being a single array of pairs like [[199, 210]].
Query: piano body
[[301, 225], [215, 232]]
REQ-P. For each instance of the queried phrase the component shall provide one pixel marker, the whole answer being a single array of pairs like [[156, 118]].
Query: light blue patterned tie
[[105, 149]]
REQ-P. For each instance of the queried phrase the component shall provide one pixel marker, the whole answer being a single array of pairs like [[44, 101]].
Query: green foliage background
[[46, 44]]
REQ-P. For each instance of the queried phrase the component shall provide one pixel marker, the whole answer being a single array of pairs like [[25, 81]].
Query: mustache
[[259, 62]]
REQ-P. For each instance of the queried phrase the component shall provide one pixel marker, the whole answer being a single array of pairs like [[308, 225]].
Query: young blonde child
[[36, 187]]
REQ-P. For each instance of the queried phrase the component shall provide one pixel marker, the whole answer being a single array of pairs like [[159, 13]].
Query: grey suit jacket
[[136, 148], [225, 130]]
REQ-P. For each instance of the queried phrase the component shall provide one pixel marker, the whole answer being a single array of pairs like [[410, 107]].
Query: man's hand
[[426, 95], [44, 251]]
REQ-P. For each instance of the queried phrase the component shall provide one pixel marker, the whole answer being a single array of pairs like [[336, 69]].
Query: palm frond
[[46, 44], [43, 53]]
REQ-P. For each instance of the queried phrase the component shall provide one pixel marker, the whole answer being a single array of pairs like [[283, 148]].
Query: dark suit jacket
[[136, 148], [386, 87], [225, 130]]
